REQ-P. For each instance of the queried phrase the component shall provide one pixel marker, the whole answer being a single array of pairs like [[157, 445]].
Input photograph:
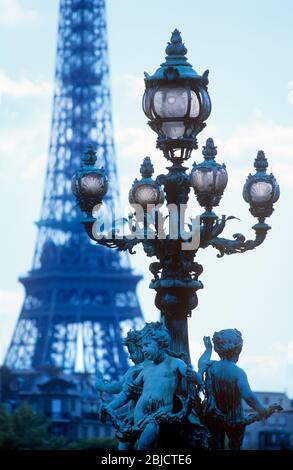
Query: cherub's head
[[228, 344], [155, 340], [134, 346]]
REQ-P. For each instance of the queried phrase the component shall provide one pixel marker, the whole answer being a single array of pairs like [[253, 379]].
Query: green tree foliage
[[24, 429], [103, 443]]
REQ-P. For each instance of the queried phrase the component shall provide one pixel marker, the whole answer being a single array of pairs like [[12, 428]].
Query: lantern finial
[[176, 46]]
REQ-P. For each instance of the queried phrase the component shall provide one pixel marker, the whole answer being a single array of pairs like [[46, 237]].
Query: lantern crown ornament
[[177, 102]]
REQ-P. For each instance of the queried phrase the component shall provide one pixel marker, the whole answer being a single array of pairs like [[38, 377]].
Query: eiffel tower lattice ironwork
[[79, 298]]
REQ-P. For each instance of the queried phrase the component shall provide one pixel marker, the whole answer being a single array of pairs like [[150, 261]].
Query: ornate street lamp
[[176, 102]]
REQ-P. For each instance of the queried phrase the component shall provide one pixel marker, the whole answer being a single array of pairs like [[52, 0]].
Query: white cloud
[[12, 13], [35, 167], [22, 148], [135, 85], [238, 150], [286, 349], [135, 142], [22, 87], [10, 301], [275, 139], [133, 145], [271, 370], [290, 92]]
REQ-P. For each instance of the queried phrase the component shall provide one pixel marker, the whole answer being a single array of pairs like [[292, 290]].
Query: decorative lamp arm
[[121, 244], [240, 244], [112, 240]]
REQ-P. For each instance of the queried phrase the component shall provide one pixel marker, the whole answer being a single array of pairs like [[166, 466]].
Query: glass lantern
[[146, 192], [176, 101], [261, 190], [209, 179], [89, 185]]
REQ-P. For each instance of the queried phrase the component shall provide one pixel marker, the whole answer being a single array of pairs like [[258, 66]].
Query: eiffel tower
[[80, 298]]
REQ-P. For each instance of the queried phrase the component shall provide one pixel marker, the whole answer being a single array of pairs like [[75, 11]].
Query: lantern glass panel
[[221, 179], [173, 129], [203, 180], [171, 102], [146, 103], [276, 192], [194, 105], [261, 191], [146, 194], [205, 104], [92, 184]]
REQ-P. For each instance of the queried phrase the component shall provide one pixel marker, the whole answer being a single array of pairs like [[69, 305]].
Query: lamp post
[[177, 104]]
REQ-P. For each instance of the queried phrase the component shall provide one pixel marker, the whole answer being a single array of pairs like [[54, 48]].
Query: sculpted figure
[[134, 346], [162, 380], [226, 385]]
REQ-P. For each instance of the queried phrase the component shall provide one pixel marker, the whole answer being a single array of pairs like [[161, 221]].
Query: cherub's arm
[[247, 394], [127, 392], [189, 373], [182, 367], [205, 358], [121, 399], [109, 387]]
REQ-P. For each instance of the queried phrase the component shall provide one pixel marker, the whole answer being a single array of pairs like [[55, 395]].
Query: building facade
[[276, 432]]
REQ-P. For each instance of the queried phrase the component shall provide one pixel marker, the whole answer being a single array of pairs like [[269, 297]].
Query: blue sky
[[248, 48]]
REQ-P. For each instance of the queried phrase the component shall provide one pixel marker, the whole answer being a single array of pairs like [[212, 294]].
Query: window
[[282, 421], [272, 420], [56, 406], [125, 299], [84, 432]]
